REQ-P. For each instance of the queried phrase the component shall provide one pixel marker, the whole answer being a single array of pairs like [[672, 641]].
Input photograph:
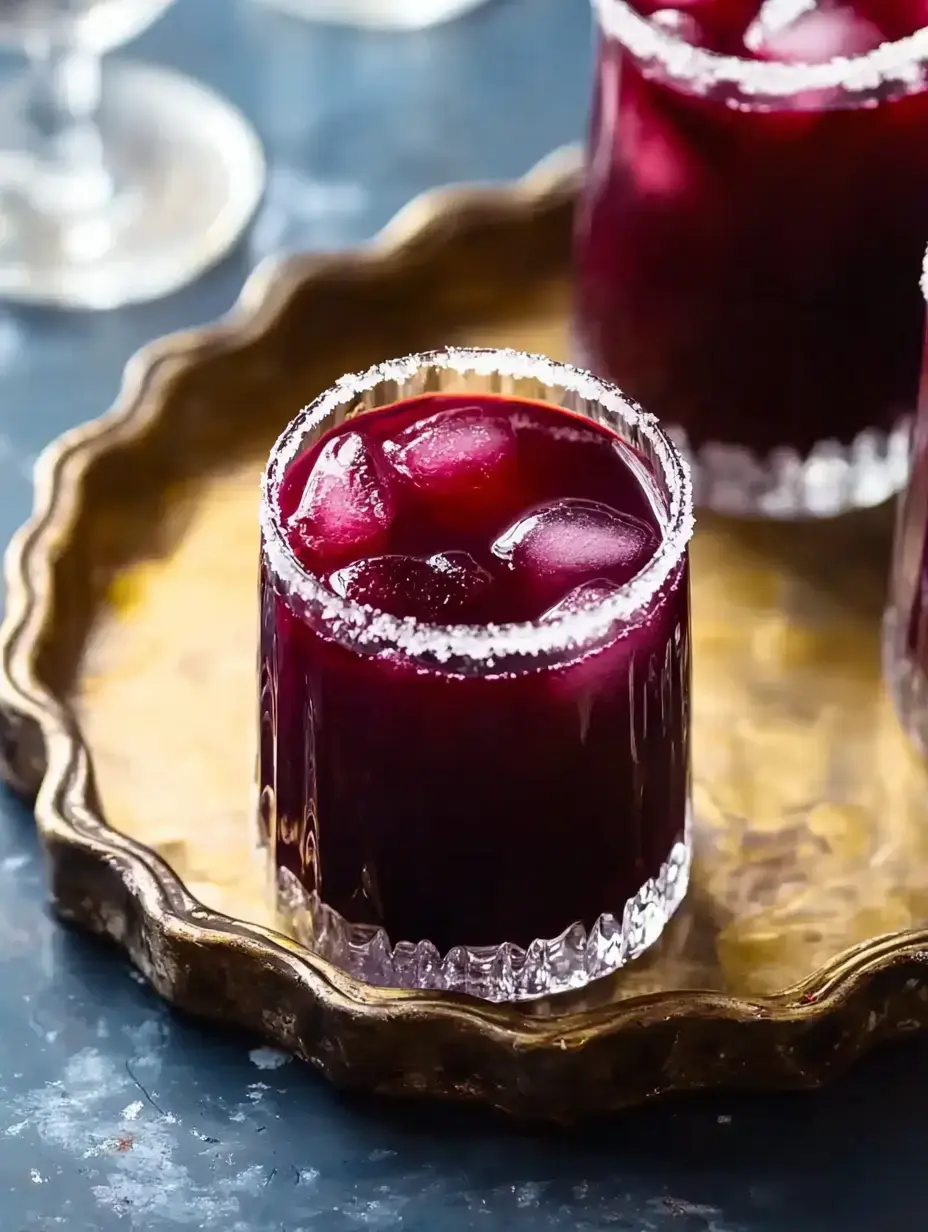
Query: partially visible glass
[[905, 640], [378, 14], [745, 244], [501, 810], [118, 182]]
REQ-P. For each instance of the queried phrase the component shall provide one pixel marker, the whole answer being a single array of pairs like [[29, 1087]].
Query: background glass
[[746, 242], [119, 183]]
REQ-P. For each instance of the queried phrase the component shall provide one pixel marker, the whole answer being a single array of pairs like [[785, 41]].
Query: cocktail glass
[[498, 809], [745, 247]]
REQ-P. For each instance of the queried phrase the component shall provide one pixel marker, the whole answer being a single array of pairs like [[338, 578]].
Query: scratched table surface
[[115, 1113]]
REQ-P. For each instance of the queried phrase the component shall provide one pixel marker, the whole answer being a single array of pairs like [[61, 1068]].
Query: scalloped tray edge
[[217, 967]]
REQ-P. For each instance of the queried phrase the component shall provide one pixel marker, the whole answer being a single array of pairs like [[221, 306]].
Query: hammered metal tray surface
[[127, 705]]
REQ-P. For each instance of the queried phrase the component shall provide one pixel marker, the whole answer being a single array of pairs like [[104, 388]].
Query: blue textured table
[[114, 1112]]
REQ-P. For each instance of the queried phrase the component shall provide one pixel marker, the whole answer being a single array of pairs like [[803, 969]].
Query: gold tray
[[127, 700]]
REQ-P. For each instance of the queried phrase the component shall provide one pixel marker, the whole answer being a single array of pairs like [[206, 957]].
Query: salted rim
[[903, 62], [366, 627], [923, 281]]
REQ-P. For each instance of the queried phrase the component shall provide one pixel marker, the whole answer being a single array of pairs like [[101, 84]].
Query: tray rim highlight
[[219, 967]]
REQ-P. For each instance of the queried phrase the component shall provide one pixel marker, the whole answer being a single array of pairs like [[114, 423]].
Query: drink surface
[[749, 270], [501, 805], [458, 511]]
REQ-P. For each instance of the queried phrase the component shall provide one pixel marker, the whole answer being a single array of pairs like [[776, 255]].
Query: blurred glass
[[94, 24], [378, 14], [120, 182]]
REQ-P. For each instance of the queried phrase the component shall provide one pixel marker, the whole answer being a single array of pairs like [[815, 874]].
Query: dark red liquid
[[751, 275], [473, 809]]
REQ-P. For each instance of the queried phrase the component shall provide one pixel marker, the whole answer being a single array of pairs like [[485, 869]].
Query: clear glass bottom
[[170, 177], [906, 681], [496, 973], [97, 25], [832, 479]]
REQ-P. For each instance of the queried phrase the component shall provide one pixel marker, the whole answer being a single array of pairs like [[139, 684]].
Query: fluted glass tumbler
[[474, 675], [755, 201]]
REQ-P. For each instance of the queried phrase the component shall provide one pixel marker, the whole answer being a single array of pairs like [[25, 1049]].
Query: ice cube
[[683, 25], [448, 587], [796, 31], [347, 506], [568, 542], [458, 460], [716, 25]]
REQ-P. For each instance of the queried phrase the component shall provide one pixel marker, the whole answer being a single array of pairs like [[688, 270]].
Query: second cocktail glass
[[747, 237]]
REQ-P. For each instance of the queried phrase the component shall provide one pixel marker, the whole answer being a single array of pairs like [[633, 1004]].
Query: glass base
[[95, 25], [833, 478], [906, 682], [495, 973], [379, 14], [186, 171]]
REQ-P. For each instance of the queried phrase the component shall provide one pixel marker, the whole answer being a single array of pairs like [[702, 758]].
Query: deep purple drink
[[749, 238], [475, 675]]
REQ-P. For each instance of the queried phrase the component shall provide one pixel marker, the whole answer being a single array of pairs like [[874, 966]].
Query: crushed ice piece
[[714, 25], [775, 15], [683, 25]]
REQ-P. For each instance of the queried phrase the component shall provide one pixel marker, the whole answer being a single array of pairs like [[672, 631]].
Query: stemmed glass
[[118, 183]]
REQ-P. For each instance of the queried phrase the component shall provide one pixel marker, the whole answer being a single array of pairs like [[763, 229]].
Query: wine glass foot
[[177, 176]]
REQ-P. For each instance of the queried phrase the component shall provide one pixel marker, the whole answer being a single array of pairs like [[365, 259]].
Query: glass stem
[[62, 106]]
